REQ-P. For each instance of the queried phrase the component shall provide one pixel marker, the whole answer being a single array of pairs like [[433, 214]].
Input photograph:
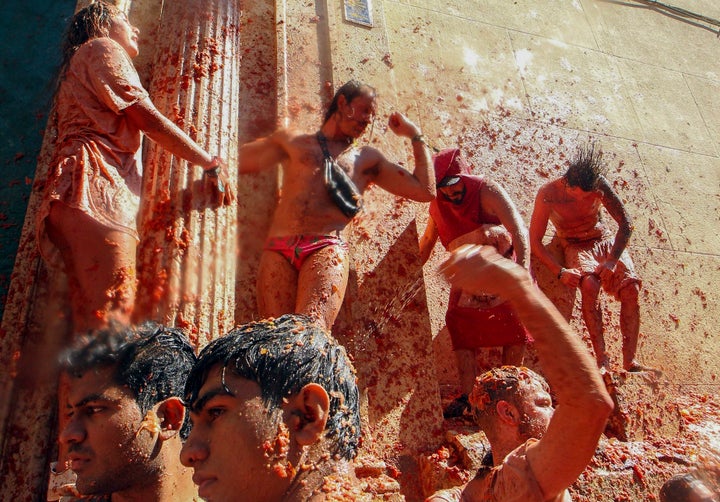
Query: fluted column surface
[[187, 256]]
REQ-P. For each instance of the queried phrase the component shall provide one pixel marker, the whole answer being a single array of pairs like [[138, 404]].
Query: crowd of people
[[270, 410]]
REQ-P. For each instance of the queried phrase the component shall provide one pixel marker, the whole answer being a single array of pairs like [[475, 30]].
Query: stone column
[[186, 260]]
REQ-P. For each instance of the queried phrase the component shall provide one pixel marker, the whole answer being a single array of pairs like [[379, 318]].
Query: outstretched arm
[[428, 240], [164, 132], [583, 402], [263, 152], [496, 201], [420, 185]]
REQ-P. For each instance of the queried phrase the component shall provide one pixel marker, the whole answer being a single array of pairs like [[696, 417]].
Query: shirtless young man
[[304, 268], [592, 259], [538, 451], [275, 415]]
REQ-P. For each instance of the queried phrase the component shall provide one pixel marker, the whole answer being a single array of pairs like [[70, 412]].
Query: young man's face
[[236, 448], [104, 447]]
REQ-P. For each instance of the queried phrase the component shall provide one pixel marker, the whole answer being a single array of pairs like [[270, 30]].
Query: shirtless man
[[123, 416], [592, 259], [474, 210], [275, 414], [537, 451], [304, 268]]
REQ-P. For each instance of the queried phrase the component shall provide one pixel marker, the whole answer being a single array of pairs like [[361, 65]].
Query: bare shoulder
[[491, 187], [372, 160], [549, 191], [284, 135]]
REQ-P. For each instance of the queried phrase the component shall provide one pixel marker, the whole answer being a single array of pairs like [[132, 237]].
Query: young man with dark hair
[[274, 408], [304, 268], [472, 209], [123, 416], [537, 451], [593, 258]]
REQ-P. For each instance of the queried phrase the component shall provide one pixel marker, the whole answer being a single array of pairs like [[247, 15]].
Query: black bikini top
[[340, 187]]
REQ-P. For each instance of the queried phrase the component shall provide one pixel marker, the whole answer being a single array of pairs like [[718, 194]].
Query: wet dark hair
[[679, 488], [500, 384], [91, 22], [586, 169], [282, 356], [350, 90], [151, 360]]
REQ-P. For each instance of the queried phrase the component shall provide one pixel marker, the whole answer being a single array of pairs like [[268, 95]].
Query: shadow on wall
[[385, 326], [258, 192]]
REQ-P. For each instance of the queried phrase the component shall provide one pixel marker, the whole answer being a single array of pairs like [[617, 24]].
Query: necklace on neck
[[348, 140]]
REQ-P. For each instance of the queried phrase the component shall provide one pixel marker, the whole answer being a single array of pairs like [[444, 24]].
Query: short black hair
[[151, 360], [350, 89], [282, 356], [586, 168]]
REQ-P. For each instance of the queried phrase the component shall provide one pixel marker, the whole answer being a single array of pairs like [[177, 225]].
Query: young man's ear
[[306, 414], [507, 413], [171, 414]]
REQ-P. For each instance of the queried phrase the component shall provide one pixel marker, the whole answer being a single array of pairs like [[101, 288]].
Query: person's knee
[[629, 293], [590, 286]]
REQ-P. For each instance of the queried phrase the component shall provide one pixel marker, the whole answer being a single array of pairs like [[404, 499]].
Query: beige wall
[[518, 84]]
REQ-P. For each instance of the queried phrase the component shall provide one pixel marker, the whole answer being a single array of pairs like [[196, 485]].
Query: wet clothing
[[297, 248], [511, 481], [97, 166], [470, 327], [587, 255], [514, 480]]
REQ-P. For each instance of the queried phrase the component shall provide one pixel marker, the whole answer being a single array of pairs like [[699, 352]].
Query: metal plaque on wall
[[359, 12]]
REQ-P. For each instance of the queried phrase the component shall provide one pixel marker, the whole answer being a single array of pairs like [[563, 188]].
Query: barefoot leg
[[321, 284], [276, 285]]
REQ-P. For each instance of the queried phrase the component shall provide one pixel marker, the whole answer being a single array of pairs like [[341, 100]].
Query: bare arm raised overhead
[[559, 457]]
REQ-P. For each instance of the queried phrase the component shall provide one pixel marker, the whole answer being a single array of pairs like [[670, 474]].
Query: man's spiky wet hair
[[151, 360], [350, 89], [282, 356], [586, 168], [500, 384]]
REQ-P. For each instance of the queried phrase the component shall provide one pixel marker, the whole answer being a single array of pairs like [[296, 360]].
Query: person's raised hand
[[402, 126], [481, 269]]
